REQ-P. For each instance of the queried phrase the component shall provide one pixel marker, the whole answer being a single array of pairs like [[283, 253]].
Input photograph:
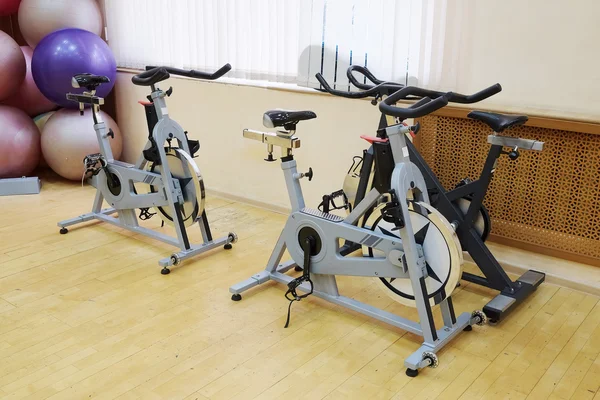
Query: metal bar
[[138, 229], [523, 144], [364, 206], [365, 175], [272, 138], [479, 280], [194, 251], [19, 186], [357, 306]]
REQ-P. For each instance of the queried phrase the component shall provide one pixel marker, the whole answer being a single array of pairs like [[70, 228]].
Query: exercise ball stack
[[63, 38]]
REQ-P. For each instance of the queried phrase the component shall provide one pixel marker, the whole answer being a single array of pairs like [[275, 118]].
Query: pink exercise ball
[[12, 66], [40, 122], [8, 7], [28, 97], [38, 18], [68, 137], [19, 143]]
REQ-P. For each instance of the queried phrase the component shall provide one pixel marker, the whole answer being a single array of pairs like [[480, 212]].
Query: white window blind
[[258, 37], [378, 34], [285, 41], [406, 41]]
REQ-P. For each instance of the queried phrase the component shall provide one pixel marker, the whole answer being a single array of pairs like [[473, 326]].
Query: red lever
[[372, 139], [144, 103]]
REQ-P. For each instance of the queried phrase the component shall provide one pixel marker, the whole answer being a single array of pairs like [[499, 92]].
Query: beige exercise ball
[[68, 137], [38, 18]]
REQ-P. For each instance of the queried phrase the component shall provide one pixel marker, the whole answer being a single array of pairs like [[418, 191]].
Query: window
[[283, 41], [259, 38]]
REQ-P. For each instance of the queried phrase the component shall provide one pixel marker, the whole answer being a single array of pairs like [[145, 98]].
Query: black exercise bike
[[463, 205]]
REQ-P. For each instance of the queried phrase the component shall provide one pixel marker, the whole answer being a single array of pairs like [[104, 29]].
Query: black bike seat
[[498, 122], [88, 81], [275, 118]]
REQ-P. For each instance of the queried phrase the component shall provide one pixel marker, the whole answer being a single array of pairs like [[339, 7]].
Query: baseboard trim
[[252, 202], [566, 273]]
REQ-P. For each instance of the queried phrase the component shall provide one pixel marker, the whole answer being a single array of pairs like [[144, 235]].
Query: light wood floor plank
[[87, 315]]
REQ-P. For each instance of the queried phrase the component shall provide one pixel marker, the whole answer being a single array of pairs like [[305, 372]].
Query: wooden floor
[[87, 315]]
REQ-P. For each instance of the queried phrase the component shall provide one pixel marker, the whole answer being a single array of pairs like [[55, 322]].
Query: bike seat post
[[287, 142]]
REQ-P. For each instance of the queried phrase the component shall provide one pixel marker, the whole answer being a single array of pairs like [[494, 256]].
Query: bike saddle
[[498, 122], [88, 81], [275, 118]]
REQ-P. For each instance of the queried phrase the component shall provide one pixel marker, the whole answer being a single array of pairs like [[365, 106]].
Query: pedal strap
[[291, 294], [145, 214], [92, 165], [328, 202]]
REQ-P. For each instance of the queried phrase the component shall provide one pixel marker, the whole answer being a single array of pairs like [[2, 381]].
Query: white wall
[[216, 114], [545, 53]]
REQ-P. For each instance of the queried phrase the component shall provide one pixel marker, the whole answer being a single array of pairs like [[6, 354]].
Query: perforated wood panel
[[549, 199]]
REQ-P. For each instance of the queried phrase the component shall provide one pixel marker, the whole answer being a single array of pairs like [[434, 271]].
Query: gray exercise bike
[[165, 178], [426, 254]]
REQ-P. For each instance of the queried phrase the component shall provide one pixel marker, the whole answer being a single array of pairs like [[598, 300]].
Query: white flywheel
[[183, 168], [443, 255]]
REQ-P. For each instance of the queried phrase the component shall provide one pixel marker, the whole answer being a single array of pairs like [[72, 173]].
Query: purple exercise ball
[[68, 52]]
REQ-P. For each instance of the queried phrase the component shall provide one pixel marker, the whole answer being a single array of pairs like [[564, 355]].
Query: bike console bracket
[[506, 141], [286, 142]]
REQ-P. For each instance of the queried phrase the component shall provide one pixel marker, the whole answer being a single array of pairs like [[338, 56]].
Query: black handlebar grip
[[417, 110], [455, 98], [369, 75], [476, 97], [221, 71], [461, 98], [375, 90], [191, 73], [151, 77], [364, 71]]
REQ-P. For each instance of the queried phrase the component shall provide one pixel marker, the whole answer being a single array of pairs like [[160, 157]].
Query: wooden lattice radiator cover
[[545, 201]]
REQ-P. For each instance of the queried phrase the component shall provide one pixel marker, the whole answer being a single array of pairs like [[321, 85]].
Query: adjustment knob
[[110, 134], [513, 154], [309, 174], [270, 158]]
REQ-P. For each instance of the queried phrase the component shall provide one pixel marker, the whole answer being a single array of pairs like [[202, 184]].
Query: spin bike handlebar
[[151, 77], [454, 98], [423, 107], [373, 91], [153, 74], [192, 73], [367, 74]]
